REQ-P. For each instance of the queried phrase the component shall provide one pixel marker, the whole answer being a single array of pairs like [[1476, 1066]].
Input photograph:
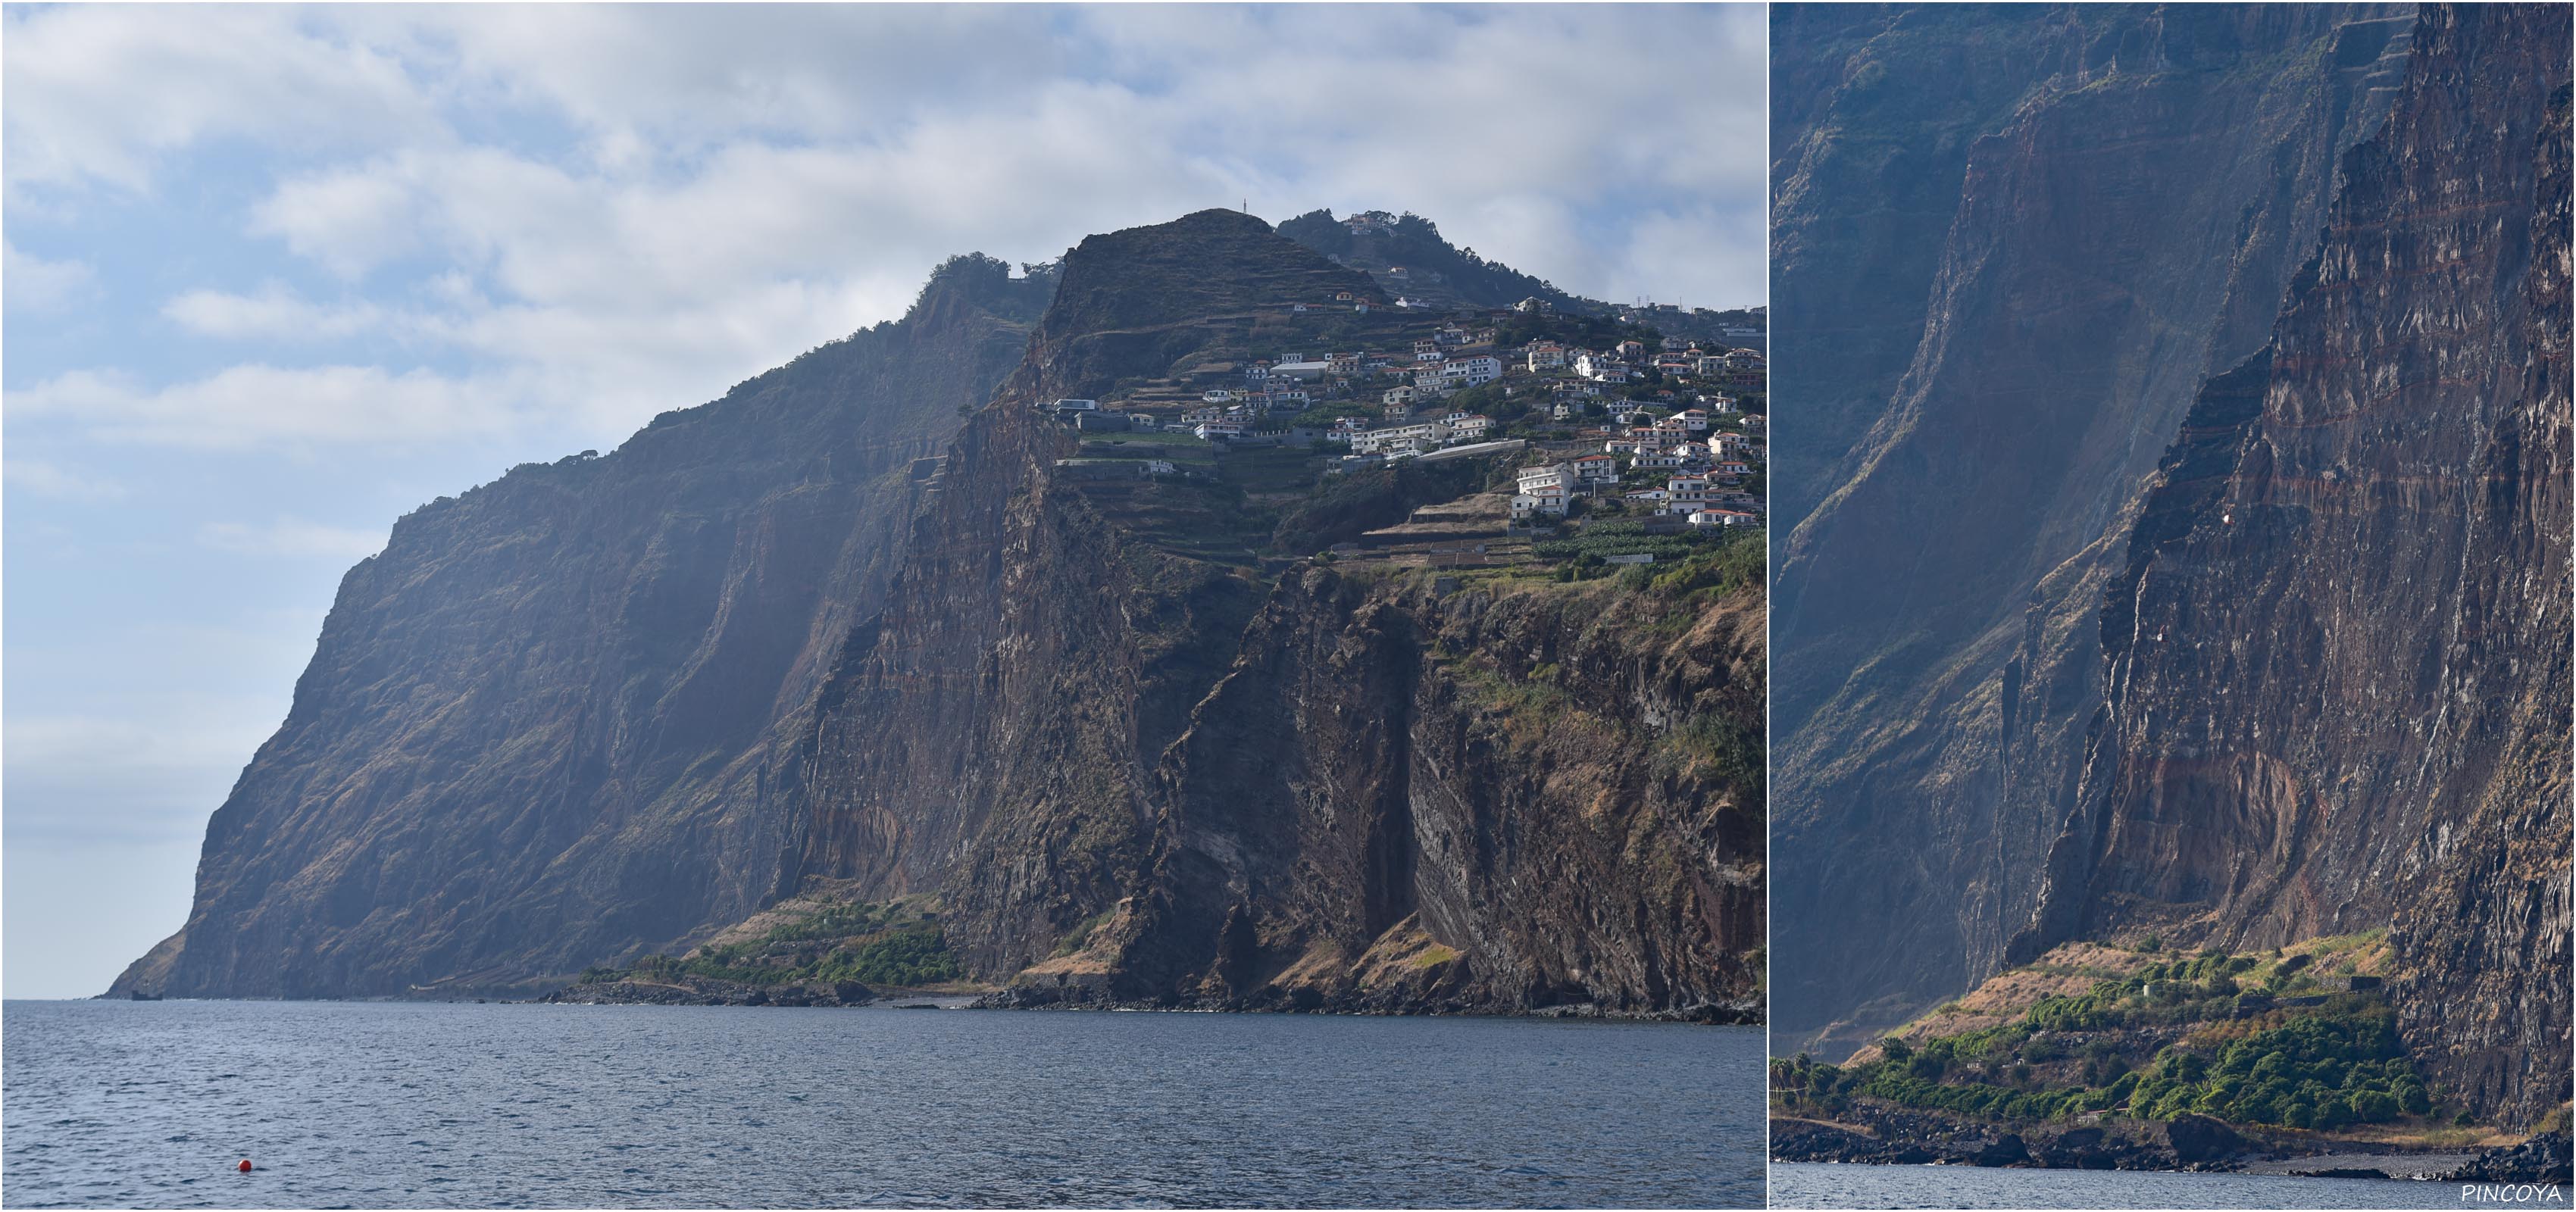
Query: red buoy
[[245, 1165]]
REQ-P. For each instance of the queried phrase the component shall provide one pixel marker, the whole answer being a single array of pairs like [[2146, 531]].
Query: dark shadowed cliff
[[545, 726], [2338, 656], [2009, 246], [2266, 638]]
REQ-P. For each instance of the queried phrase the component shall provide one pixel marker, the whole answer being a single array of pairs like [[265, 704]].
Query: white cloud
[[34, 284], [272, 313], [58, 483], [248, 405], [95, 94], [294, 538]]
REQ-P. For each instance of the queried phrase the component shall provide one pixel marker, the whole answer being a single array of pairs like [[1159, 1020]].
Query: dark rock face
[[2009, 247], [2198, 1139], [2545, 1158], [1876, 1134], [2338, 657], [1372, 771], [1152, 779], [554, 723]]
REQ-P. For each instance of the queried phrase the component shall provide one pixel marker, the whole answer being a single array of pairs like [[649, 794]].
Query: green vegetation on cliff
[[894, 943], [2297, 1040]]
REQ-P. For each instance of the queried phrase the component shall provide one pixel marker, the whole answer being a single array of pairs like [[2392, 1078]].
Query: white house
[[1468, 426], [1379, 441], [1600, 369], [1397, 397], [1546, 355], [1077, 405], [1549, 485], [1216, 395], [1595, 468], [1300, 369], [1471, 372]]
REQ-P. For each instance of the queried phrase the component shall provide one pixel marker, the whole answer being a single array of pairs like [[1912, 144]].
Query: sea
[[403, 1104], [1814, 1185]]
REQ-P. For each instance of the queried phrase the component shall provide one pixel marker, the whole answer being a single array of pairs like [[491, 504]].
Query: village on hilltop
[[1668, 438]]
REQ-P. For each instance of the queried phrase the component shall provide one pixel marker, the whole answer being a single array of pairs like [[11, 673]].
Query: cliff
[[1489, 800], [749, 710], [2338, 656], [1141, 765], [553, 722], [2009, 247]]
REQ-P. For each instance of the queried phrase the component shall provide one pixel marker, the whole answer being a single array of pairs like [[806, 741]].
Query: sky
[[275, 277]]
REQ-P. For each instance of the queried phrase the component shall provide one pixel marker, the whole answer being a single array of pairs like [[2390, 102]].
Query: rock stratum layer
[[2254, 627], [1132, 760]]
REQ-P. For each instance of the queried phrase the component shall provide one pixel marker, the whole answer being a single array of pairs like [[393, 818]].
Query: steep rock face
[[1138, 774], [2099, 208], [1541, 797], [990, 736], [552, 722], [2338, 657]]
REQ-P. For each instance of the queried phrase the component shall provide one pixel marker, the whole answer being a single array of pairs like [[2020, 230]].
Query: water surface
[[1820, 1185], [401, 1104]]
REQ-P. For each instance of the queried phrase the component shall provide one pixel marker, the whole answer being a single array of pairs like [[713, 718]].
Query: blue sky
[[276, 276]]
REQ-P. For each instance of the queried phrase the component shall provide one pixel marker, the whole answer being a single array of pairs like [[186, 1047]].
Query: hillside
[[1160, 768], [1408, 258], [1076, 709], [2270, 648], [556, 718], [2033, 300]]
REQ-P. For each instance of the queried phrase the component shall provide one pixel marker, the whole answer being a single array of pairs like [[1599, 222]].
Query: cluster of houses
[[1654, 414], [1701, 471]]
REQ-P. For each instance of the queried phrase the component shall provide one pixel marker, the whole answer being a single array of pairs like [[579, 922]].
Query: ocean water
[[1813, 1185], [399, 1104]]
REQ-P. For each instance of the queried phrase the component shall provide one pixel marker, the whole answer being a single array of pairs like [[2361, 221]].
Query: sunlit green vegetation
[[877, 944], [2215, 1043]]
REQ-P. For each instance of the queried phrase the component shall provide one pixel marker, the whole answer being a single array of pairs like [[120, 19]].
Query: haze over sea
[[374, 1104]]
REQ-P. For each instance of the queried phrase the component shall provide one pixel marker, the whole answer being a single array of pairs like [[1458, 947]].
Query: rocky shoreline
[[694, 990], [1875, 1135], [710, 991], [1081, 995]]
